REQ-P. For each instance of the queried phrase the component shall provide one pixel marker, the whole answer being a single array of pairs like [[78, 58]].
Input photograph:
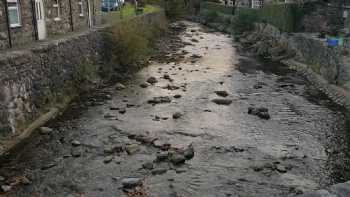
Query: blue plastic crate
[[332, 42]]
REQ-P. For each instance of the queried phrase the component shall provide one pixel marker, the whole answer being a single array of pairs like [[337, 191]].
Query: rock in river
[[162, 156], [166, 76], [222, 93], [131, 182], [177, 158], [108, 159], [222, 101], [76, 152], [159, 171], [76, 143], [132, 148], [159, 100], [189, 152], [261, 112], [119, 86], [148, 166], [177, 115], [6, 188], [45, 130], [143, 85], [152, 80], [281, 169]]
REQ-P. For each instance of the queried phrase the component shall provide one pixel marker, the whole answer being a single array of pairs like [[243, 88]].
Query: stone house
[[24, 21], [337, 14]]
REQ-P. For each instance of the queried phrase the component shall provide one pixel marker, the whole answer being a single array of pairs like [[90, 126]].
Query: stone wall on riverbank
[[337, 190], [268, 41], [48, 75]]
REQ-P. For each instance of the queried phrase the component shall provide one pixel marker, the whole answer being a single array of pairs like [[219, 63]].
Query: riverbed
[[303, 146]]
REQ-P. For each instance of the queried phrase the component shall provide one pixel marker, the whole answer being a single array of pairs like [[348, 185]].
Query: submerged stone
[[131, 182], [222, 101]]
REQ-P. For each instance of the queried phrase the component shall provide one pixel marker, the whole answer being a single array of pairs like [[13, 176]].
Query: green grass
[[150, 9], [126, 13]]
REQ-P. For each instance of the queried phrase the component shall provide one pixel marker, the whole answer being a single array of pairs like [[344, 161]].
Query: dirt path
[[143, 131]]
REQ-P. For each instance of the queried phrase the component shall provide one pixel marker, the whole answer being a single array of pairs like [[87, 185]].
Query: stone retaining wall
[[35, 80], [337, 94], [338, 190], [322, 65], [268, 41]]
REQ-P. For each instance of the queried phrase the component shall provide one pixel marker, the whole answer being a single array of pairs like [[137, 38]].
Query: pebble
[[76, 143], [118, 160], [48, 166], [281, 169], [114, 108], [2, 178], [180, 170], [76, 152], [6, 188], [122, 111], [177, 96], [166, 76], [177, 158], [119, 86], [159, 100], [109, 115], [261, 112], [189, 152], [108, 150], [45, 130], [159, 171], [132, 149], [177, 115], [148, 165], [108, 159], [162, 156], [143, 85]]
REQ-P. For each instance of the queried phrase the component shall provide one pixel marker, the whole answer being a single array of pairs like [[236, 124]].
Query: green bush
[[244, 20], [216, 7], [175, 9], [210, 16], [131, 42], [286, 17]]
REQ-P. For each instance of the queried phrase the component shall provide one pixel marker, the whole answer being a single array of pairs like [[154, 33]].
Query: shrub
[[131, 42], [244, 21], [175, 9], [211, 16]]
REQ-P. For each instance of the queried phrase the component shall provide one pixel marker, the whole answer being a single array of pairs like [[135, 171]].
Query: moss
[[315, 67], [85, 73]]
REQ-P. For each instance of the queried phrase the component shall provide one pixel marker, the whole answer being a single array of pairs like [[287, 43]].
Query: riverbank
[[323, 66], [38, 82]]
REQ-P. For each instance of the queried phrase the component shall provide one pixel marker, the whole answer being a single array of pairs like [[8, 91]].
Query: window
[[81, 8], [14, 13], [257, 3], [57, 7]]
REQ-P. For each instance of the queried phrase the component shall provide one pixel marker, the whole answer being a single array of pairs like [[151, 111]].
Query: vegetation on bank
[[286, 17], [127, 12], [131, 39]]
